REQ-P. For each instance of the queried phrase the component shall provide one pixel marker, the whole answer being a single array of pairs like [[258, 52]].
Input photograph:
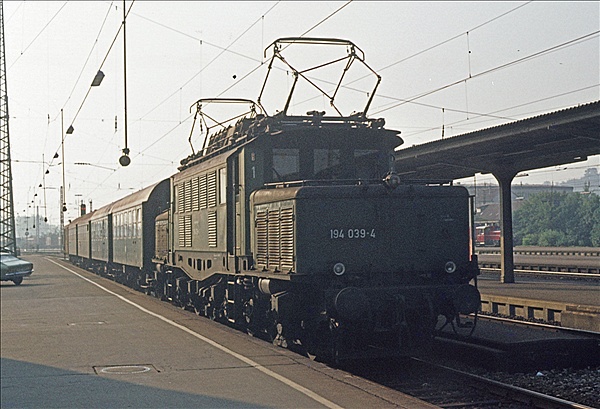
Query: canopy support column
[[507, 273]]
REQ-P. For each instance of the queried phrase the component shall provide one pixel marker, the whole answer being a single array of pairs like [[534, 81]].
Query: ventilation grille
[[197, 194], [212, 229], [202, 190], [185, 231], [211, 189], [275, 239], [261, 238]]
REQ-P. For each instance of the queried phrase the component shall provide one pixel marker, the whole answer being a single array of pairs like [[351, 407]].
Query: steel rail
[[574, 331], [545, 272], [539, 400]]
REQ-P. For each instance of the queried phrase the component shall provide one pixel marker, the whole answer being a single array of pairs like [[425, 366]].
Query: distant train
[[488, 235], [293, 228]]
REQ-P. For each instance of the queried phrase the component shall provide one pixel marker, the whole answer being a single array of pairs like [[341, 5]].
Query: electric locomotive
[[296, 229]]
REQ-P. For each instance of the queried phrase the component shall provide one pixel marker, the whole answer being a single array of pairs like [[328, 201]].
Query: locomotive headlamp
[[450, 267], [339, 269]]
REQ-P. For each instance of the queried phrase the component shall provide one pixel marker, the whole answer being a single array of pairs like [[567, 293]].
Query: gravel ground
[[576, 385]]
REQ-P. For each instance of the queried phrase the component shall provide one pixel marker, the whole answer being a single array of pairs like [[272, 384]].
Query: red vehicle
[[487, 236]]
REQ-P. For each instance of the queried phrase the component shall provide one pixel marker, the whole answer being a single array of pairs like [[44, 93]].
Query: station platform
[[73, 339], [574, 304]]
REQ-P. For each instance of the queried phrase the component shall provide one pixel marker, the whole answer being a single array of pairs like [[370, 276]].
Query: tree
[[558, 219]]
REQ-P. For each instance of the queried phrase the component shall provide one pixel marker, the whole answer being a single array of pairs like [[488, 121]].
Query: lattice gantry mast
[[8, 239]]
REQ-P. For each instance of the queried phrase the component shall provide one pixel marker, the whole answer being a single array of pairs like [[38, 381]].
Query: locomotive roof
[[256, 123], [248, 130]]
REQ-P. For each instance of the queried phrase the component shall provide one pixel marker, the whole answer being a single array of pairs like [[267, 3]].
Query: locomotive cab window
[[345, 162], [286, 164], [327, 163], [369, 164]]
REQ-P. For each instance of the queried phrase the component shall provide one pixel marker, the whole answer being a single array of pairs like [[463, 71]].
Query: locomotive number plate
[[352, 233]]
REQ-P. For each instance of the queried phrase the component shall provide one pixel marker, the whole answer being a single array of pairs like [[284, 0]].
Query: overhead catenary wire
[[102, 64], [170, 132], [413, 99], [405, 59], [63, 136], [261, 63], [87, 59], [493, 114], [37, 36], [496, 68]]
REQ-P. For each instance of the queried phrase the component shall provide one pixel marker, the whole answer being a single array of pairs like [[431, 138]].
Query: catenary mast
[[8, 241]]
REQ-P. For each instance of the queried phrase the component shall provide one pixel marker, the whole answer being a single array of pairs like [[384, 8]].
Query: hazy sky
[[508, 61]]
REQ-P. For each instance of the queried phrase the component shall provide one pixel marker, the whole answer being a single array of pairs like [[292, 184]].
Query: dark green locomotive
[[294, 232], [295, 228]]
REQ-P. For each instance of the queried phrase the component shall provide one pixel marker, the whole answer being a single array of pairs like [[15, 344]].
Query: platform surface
[[73, 339], [554, 290]]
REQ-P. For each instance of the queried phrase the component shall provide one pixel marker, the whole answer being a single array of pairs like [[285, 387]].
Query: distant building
[[33, 233], [590, 182]]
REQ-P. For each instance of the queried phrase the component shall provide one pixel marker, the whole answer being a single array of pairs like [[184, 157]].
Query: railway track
[[569, 261], [448, 387], [548, 271], [545, 251], [550, 326]]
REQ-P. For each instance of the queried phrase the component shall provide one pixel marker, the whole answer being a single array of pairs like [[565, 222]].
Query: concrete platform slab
[[63, 326]]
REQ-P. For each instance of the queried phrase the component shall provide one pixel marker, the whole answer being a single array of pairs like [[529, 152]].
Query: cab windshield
[[290, 164]]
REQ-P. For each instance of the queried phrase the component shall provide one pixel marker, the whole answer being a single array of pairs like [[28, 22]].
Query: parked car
[[13, 268]]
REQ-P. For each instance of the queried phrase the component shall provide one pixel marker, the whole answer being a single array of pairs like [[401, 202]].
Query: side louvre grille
[[286, 239], [180, 198], [202, 191], [211, 189], [185, 231], [188, 196], [261, 237], [195, 194], [188, 230], [212, 229], [275, 238]]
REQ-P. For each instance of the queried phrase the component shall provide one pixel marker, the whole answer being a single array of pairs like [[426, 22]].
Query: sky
[[461, 65]]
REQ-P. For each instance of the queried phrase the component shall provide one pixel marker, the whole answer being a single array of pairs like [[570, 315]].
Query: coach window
[[222, 186], [138, 223]]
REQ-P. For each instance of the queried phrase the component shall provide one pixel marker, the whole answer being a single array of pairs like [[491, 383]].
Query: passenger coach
[[118, 239]]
